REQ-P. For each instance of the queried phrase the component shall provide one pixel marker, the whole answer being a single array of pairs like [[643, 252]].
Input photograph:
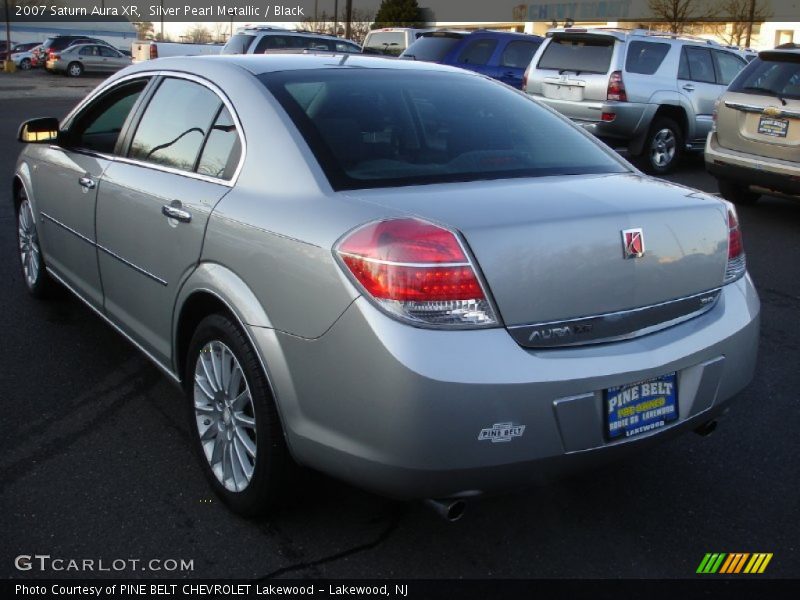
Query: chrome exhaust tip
[[450, 509], [706, 428]]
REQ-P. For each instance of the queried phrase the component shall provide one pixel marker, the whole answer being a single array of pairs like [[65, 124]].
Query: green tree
[[398, 13]]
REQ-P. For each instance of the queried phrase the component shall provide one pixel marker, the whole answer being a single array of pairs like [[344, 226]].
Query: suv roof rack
[[680, 36]]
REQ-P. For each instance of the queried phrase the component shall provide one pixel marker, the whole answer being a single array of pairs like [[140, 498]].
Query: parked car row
[[71, 55]]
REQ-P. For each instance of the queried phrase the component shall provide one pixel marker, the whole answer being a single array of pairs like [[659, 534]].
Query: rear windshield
[[578, 53], [385, 42], [238, 44], [374, 128], [770, 75], [432, 48]]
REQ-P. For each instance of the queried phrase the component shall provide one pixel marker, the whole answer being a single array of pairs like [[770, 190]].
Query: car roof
[[258, 64], [790, 48], [623, 34]]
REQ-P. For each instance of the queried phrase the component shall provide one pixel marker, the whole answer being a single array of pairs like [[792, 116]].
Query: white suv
[[258, 40], [650, 92]]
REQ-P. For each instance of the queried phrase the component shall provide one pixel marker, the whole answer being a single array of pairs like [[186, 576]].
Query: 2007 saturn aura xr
[[405, 275]]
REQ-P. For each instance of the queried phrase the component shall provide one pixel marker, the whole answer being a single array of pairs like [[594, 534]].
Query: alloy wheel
[[225, 416], [29, 251], [662, 149]]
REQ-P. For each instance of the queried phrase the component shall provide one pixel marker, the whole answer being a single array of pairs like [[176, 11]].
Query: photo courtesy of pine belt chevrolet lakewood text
[[405, 275]]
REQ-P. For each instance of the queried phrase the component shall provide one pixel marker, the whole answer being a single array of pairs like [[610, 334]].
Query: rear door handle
[[87, 182], [173, 212], [689, 87]]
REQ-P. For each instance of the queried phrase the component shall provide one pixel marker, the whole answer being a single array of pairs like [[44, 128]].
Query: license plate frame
[[773, 126], [634, 409]]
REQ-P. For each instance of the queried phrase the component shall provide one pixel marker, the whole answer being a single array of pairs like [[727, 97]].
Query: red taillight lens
[[525, 79], [736, 258], [608, 116], [616, 87], [153, 51], [417, 271]]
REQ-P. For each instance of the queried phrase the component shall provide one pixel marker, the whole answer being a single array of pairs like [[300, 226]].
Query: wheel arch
[[213, 288]]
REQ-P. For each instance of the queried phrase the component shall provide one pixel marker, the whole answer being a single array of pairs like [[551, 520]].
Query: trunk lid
[[760, 114], [759, 125], [551, 249]]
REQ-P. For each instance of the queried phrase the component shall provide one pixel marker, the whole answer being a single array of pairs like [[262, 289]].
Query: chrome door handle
[[689, 87], [87, 182], [173, 212]]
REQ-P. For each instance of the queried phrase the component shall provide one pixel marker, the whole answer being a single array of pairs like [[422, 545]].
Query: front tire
[[233, 418], [663, 148], [74, 69], [32, 262], [738, 193]]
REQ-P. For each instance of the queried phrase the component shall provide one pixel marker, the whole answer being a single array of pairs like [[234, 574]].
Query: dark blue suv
[[498, 54]]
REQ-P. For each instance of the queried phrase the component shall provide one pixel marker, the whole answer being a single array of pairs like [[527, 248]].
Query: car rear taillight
[[416, 271], [737, 264], [153, 51], [525, 79], [616, 87]]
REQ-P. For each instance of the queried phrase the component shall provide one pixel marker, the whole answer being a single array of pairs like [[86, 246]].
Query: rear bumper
[[399, 410], [631, 119], [750, 170]]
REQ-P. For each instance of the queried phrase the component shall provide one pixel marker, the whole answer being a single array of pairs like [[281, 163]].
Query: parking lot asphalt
[[95, 459]]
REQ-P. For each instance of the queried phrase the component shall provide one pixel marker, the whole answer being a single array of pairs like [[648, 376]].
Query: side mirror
[[39, 131]]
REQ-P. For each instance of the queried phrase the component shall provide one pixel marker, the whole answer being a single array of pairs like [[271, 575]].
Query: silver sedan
[[405, 275], [82, 58]]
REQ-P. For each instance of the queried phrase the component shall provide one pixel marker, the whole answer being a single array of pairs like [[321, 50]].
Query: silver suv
[[650, 92], [261, 40]]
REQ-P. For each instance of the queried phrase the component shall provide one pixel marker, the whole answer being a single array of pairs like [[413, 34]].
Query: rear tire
[[25, 64], [738, 193], [663, 148], [34, 273], [74, 69], [233, 418]]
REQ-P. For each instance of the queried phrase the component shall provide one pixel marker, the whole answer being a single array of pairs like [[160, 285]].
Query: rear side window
[[518, 54], [477, 52], [221, 152], [776, 75], [696, 65], [238, 44], [581, 54], [645, 57], [432, 48], [174, 125], [728, 66]]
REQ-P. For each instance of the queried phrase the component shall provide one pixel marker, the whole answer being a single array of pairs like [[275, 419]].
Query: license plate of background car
[[773, 127], [641, 407]]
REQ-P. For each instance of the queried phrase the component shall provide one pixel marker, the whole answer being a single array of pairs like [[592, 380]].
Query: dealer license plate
[[638, 408], [773, 127]]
